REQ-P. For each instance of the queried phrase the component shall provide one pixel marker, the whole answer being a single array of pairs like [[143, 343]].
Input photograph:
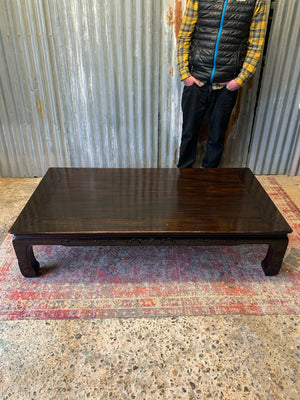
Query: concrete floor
[[207, 357]]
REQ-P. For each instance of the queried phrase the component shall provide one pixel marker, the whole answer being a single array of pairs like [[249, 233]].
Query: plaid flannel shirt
[[255, 42]]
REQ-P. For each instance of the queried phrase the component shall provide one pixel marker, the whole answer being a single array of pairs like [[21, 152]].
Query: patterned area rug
[[151, 281]]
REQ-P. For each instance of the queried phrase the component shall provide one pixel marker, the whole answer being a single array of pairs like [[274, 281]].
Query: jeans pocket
[[231, 91]]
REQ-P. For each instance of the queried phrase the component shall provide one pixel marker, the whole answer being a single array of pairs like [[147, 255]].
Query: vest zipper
[[218, 42]]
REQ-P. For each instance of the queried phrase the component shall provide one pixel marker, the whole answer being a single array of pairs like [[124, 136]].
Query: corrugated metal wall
[[273, 148], [80, 83], [295, 167], [94, 83]]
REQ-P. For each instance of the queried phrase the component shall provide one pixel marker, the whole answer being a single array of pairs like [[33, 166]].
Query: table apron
[[29, 266], [132, 240]]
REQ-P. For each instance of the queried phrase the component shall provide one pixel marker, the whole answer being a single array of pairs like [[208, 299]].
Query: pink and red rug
[[153, 281]]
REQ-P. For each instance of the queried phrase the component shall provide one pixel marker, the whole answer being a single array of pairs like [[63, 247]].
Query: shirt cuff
[[239, 81], [184, 74]]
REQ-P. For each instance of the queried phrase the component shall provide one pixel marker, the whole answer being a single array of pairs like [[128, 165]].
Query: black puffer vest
[[220, 40]]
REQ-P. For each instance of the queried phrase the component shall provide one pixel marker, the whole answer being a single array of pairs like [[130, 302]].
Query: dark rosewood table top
[[156, 201]]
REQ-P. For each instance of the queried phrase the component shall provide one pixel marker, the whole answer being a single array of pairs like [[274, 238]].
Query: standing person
[[219, 45]]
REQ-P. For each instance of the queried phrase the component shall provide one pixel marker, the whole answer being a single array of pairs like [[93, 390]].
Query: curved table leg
[[28, 264], [272, 262]]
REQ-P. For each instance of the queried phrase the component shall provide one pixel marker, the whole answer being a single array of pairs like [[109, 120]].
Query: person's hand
[[190, 81], [231, 85]]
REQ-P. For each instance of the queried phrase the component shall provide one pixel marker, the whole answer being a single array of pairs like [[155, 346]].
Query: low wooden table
[[100, 207]]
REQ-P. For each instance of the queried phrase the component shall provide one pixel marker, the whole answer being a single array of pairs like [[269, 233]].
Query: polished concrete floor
[[207, 357]]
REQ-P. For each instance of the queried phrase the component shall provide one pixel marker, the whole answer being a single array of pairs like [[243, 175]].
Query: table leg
[[272, 262], [28, 264]]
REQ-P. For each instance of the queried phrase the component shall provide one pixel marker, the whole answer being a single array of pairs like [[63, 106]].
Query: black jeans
[[195, 101]]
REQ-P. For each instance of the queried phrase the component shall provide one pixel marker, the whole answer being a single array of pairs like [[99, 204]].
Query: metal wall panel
[[79, 84], [273, 147], [295, 166], [170, 118], [95, 84]]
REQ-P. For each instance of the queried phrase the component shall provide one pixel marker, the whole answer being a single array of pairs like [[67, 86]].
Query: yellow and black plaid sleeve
[[256, 41], [184, 38]]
